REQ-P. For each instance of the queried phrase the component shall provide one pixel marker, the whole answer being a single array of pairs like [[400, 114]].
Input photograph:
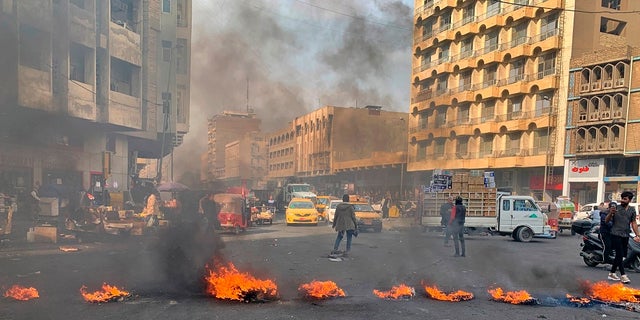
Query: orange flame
[[513, 297], [108, 294], [434, 293], [230, 284], [401, 291], [578, 300], [22, 293], [612, 293], [322, 289]]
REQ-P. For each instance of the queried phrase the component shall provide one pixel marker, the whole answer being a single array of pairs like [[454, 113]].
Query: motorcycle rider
[[622, 216], [605, 231]]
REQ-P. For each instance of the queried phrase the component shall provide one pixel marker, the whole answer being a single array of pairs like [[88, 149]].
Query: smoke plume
[[294, 56]]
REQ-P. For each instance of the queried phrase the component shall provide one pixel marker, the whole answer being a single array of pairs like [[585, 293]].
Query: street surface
[[291, 256]]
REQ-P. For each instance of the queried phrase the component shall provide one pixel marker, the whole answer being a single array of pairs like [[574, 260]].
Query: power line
[[566, 9]]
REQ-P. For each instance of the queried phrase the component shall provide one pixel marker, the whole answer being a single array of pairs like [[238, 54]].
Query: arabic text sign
[[585, 168]]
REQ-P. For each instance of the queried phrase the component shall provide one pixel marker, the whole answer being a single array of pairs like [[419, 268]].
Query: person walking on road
[[35, 200], [445, 213], [456, 224], [344, 221], [605, 231], [386, 205], [623, 216]]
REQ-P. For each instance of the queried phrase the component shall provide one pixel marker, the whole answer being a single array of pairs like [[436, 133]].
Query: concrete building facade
[[86, 89], [225, 128], [332, 147], [246, 161]]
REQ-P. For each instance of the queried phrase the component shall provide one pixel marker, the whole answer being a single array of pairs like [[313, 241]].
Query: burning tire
[[524, 234]]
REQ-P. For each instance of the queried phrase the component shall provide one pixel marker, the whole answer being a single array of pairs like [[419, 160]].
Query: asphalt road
[[548, 269]]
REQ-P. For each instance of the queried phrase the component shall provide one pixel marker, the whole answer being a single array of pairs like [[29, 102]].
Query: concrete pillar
[[566, 187], [600, 196]]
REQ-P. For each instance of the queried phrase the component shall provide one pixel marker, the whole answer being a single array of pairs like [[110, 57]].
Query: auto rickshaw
[[567, 211], [261, 215], [233, 213]]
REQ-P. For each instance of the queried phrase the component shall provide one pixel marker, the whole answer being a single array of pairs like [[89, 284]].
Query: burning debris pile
[[615, 294], [579, 301], [108, 294], [512, 297], [21, 293], [228, 283], [434, 293], [398, 292], [321, 290]]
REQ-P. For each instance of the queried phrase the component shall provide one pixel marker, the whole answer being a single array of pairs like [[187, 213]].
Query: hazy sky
[[297, 55]]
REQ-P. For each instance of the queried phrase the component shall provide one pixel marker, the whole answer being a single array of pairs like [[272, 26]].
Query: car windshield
[[334, 204], [301, 205], [323, 201], [362, 207]]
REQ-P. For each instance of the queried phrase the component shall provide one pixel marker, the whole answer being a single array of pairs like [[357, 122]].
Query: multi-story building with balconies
[[489, 86], [602, 150], [89, 86], [246, 161]]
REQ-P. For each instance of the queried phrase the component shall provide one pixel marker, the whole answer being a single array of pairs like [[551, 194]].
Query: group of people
[[616, 223]]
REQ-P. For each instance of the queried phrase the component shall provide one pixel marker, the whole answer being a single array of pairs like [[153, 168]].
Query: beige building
[[89, 86], [334, 146], [246, 161], [224, 128], [490, 82]]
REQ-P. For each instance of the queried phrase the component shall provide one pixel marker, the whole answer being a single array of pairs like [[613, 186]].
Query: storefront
[[584, 180]]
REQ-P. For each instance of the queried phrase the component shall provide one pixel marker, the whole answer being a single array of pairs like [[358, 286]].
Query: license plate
[[566, 220], [368, 221]]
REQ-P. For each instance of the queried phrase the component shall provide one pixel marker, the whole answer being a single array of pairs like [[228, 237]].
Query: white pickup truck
[[517, 216]]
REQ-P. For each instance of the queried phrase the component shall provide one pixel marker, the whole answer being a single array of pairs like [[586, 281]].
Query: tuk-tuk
[[233, 215], [261, 215]]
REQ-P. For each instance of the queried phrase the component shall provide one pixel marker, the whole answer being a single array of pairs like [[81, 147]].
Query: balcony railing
[[464, 21], [422, 95], [544, 35]]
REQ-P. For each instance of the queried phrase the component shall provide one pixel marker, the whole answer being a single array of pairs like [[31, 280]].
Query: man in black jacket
[[456, 224]]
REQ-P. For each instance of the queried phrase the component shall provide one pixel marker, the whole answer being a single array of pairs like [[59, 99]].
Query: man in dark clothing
[[345, 221], [456, 224], [605, 231], [208, 208], [622, 216], [445, 212]]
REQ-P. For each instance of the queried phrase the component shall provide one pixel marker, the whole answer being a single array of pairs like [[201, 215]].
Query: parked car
[[585, 211], [331, 212]]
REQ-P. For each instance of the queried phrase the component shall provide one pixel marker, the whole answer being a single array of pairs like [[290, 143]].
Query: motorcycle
[[592, 251]]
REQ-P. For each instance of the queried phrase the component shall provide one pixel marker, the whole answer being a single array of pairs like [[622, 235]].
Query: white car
[[331, 210], [585, 211]]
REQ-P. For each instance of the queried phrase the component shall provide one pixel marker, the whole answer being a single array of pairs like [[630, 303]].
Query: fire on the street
[[108, 294], [578, 300], [22, 293], [321, 290], [401, 291], [512, 297], [434, 293], [612, 292], [228, 283]]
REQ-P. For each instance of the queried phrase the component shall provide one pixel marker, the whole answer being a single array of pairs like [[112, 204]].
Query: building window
[[610, 26], [491, 41], [516, 71], [546, 64], [421, 153], [445, 21], [611, 4], [182, 56], [490, 75], [544, 101], [166, 6], [181, 115], [549, 26], [462, 147], [468, 14], [465, 81], [124, 13], [488, 110], [466, 49], [514, 108], [439, 148], [463, 114], [441, 117], [78, 57], [443, 55], [486, 145], [166, 51], [125, 78], [540, 141], [423, 120], [181, 14], [513, 143], [493, 8], [442, 85], [519, 35], [34, 48]]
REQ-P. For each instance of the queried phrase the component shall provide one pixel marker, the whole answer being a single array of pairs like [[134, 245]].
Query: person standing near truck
[[445, 212], [622, 216], [456, 224]]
